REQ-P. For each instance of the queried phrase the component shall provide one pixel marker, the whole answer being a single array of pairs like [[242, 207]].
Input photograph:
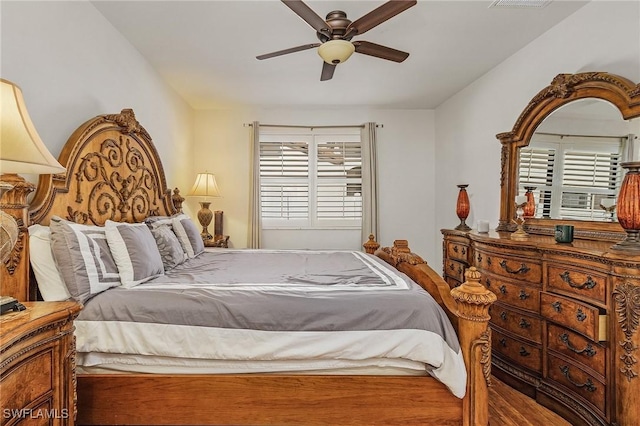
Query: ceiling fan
[[336, 31]]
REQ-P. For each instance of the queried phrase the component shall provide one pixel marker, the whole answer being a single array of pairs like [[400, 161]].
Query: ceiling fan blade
[[311, 17], [379, 51], [286, 51], [327, 71], [377, 16]]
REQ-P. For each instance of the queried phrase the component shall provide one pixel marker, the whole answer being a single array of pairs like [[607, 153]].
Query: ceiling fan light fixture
[[336, 51]]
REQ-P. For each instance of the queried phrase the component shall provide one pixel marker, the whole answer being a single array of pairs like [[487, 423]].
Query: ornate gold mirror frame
[[564, 88]]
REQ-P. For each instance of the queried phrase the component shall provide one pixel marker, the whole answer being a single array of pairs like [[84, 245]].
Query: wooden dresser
[[565, 326], [37, 364]]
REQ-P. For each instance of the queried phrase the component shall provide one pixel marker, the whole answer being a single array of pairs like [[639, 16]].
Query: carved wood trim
[[113, 173], [627, 299], [485, 349], [400, 253], [564, 88]]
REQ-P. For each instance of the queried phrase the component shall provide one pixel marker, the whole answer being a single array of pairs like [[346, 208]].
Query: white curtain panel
[[254, 238], [369, 182]]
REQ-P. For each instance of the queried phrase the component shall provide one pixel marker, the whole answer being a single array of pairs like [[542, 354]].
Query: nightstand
[[37, 364], [218, 241]]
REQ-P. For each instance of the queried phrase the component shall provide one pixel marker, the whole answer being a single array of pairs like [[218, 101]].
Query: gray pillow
[[83, 257], [169, 246], [188, 235], [135, 251], [155, 221]]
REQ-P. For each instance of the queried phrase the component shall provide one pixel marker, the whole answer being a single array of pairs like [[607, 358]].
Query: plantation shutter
[[536, 170], [588, 177], [339, 180], [284, 177]]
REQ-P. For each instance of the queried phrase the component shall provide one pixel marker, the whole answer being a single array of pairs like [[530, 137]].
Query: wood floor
[[508, 407]]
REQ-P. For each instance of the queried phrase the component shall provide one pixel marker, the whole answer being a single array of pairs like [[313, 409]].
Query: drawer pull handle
[[524, 352], [588, 350], [588, 284], [503, 289], [524, 323], [488, 281], [503, 342], [580, 316], [489, 261], [588, 385], [452, 267], [479, 258], [523, 268], [455, 248], [464, 251], [524, 295], [556, 306], [503, 315]]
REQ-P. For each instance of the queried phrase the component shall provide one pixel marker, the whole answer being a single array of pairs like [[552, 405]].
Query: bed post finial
[[177, 200], [371, 246], [473, 301]]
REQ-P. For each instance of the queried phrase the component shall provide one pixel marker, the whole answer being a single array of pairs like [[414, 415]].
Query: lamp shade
[[21, 149], [205, 186], [336, 51]]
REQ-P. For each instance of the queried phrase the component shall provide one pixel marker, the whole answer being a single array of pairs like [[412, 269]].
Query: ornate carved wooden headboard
[[113, 172]]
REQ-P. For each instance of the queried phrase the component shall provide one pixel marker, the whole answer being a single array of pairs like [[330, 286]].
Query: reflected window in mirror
[[572, 162]]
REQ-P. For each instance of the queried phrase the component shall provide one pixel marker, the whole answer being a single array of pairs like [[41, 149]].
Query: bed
[[115, 178]]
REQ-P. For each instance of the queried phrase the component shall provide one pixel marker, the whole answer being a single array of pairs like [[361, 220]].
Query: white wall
[[601, 36], [72, 65], [406, 166]]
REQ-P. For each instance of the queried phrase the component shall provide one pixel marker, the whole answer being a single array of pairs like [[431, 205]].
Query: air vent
[[521, 3]]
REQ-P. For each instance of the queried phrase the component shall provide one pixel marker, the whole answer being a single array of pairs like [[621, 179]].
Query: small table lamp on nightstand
[[205, 186]]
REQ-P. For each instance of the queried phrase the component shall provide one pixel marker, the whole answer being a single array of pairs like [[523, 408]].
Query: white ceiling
[[206, 50]]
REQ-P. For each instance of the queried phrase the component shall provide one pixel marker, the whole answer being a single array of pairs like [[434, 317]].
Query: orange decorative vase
[[629, 208], [529, 209], [462, 208]]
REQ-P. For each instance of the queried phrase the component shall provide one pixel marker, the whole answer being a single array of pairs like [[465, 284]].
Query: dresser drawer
[[580, 317], [577, 348], [30, 380], [577, 381], [513, 294], [525, 354], [577, 281], [455, 270], [510, 267], [458, 251], [525, 326]]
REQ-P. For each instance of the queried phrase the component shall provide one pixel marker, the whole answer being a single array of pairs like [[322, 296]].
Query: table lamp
[[21, 151], [205, 186]]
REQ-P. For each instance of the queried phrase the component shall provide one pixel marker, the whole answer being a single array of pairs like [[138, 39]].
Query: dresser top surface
[[549, 244]]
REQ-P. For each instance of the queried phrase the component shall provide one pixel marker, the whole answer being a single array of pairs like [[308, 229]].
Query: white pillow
[[50, 282], [135, 252], [188, 234]]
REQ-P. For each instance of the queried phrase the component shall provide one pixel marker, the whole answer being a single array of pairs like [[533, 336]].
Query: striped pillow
[[83, 257], [135, 252]]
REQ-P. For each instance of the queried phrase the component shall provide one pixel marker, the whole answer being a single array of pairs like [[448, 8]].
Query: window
[[311, 180], [571, 174]]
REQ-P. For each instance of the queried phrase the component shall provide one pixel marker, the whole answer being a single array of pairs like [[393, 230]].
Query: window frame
[[311, 136]]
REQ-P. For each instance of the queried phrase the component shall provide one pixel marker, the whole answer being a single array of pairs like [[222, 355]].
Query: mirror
[[572, 163], [566, 149]]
